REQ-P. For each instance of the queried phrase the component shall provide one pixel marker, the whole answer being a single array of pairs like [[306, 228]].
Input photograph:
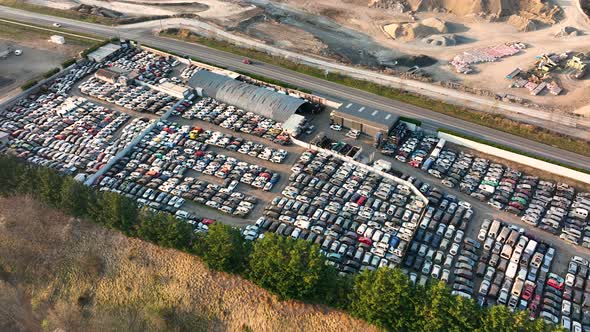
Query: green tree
[[442, 311], [223, 248], [115, 211], [74, 197], [292, 269], [165, 230], [385, 298], [10, 170], [49, 186]]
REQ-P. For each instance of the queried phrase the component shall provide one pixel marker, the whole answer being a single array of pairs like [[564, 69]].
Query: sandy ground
[[280, 35], [217, 10], [474, 32]]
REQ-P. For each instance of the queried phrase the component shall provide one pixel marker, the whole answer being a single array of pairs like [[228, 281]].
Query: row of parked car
[[150, 67], [545, 204], [239, 144], [69, 134], [189, 71], [440, 248], [360, 219], [135, 98], [574, 306], [231, 117], [159, 165]]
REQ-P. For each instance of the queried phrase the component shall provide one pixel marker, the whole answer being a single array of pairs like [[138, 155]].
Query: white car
[[18, 52], [336, 127], [56, 25]]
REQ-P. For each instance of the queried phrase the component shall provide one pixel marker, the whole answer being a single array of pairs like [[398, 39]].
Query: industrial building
[[106, 75], [260, 100], [104, 52], [367, 120]]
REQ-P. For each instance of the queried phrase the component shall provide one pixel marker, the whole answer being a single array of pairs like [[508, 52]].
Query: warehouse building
[[368, 121], [260, 100], [104, 52], [106, 75]]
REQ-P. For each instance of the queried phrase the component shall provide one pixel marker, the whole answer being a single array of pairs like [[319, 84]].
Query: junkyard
[[196, 142]]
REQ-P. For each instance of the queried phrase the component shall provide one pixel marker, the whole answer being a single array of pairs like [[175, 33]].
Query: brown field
[[59, 272]]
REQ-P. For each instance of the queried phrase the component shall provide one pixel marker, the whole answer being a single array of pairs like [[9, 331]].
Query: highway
[[430, 119]]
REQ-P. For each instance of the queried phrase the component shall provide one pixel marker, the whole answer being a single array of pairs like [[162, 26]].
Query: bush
[[291, 269], [68, 63], [28, 84], [51, 72], [223, 248]]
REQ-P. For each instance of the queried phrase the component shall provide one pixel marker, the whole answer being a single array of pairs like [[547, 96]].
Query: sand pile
[[528, 10], [416, 30]]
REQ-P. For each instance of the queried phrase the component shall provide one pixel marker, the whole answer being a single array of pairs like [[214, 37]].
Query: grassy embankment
[[60, 272], [485, 119]]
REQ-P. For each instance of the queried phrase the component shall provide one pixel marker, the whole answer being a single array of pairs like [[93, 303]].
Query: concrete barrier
[[361, 165], [521, 159]]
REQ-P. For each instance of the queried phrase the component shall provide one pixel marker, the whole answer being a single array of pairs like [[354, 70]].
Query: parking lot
[[209, 161]]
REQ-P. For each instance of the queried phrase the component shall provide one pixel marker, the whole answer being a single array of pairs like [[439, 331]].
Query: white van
[[511, 270], [517, 287], [494, 228]]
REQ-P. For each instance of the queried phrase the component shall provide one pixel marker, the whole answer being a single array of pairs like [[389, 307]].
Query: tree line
[[291, 269]]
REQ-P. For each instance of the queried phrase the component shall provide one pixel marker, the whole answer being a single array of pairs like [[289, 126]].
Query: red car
[[555, 284], [206, 221], [365, 240], [528, 292]]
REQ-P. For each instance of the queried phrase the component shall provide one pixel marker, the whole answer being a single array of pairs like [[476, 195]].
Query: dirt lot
[[89, 278], [39, 55]]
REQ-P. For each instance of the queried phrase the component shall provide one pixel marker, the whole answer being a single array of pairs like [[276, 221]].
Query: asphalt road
[[430, 119]]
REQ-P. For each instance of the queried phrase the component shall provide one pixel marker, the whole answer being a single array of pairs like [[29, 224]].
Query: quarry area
[[529, 52]]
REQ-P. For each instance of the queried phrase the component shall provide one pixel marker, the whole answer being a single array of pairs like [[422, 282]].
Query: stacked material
[[463, 62]]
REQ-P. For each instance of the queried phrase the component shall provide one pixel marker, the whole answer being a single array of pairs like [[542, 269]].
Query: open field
[[87, 277]]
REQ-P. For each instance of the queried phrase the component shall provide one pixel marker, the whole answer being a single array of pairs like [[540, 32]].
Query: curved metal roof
[[246, 96]]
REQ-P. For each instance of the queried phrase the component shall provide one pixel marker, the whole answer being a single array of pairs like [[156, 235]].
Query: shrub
[[28, 84]]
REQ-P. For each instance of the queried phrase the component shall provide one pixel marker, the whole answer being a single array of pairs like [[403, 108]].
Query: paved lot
[[16, 70]]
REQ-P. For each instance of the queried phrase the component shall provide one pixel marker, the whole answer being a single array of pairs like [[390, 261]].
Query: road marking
[[374, 113], [361, 109], [388, 116], [348, 106]]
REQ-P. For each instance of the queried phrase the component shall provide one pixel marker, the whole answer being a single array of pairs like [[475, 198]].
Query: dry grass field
[[57, 272]]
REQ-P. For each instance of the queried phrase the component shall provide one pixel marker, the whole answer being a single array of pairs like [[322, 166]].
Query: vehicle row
[[360, 219], [231, 117], [136, 98]]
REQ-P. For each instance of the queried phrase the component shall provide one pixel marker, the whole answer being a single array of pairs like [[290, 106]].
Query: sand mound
[[416, 30], [540, 10], [523, 24]]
